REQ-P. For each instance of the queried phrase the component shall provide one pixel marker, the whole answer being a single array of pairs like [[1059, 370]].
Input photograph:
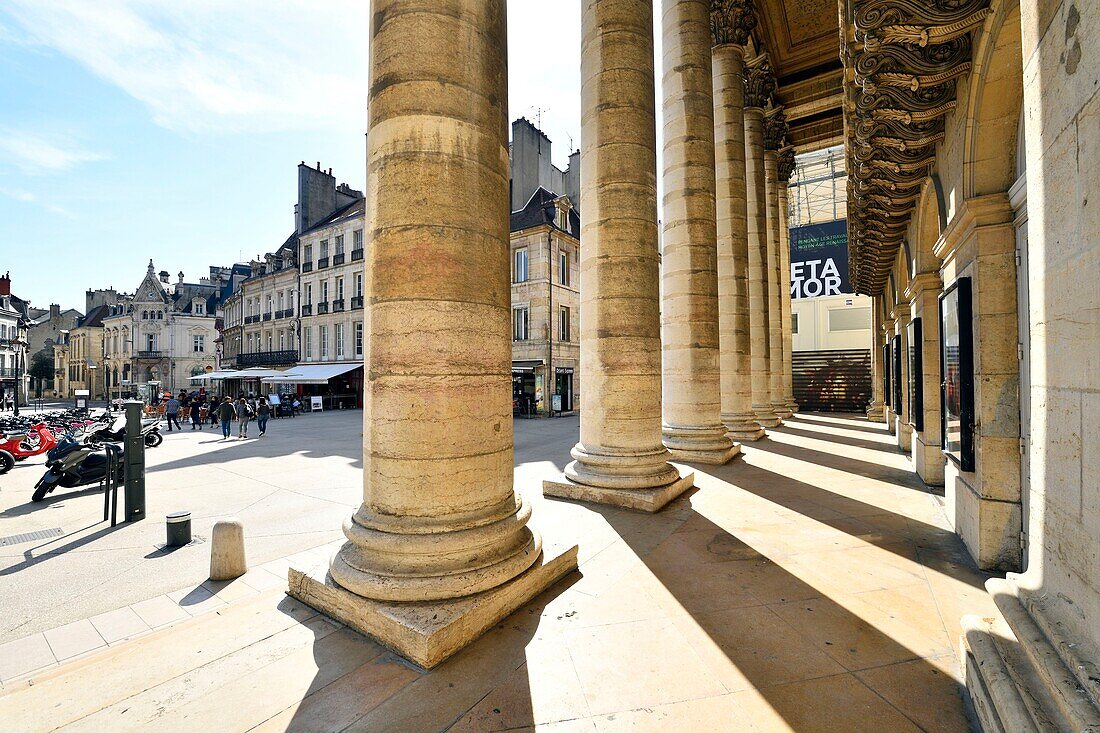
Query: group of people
[[226, 411]]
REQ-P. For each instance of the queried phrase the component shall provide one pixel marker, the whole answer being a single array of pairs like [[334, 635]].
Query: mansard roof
[[540, 210]]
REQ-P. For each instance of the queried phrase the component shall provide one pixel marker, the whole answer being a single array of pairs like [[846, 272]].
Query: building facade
[[14, 327], [545, 257], [82, 356], [262, 315]]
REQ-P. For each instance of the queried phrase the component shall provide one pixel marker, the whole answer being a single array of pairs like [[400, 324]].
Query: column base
[[792, 407], [644, 500], [719, 457], [1017, 673], [427, 633], [748, 435], [742, 427], [699, 444], [876, 412], [768, 419]]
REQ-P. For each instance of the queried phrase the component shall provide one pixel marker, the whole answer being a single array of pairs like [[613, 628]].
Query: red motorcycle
[[21, 445]]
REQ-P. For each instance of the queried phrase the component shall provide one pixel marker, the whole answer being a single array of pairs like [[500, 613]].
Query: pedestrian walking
[[245, 412], [263, 412], [171, 411], [226, 412], [198, 412]]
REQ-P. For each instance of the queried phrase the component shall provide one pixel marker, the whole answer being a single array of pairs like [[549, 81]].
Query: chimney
[[163, 276], [55, 311], [5, 284], [181, 277]]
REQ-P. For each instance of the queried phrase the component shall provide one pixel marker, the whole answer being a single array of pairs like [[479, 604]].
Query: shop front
[[527, 388]]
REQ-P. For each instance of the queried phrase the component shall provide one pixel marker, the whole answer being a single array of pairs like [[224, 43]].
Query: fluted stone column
[[441, 547], [784, 168], [733, 251], [759, 85], [774, 131], [692, 397], [620, 458]]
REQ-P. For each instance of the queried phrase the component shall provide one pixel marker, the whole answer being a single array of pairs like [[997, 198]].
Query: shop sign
[[819, 260]]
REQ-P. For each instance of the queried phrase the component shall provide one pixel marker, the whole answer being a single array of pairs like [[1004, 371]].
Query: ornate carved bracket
[[784, 164], [759, 82], [775, 128]]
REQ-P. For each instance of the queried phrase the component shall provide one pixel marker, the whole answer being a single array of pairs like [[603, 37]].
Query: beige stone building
[[82, 357], [261, 317], [545, 248]]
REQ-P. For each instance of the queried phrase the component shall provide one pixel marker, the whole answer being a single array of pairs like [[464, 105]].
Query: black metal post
[[134, 461]]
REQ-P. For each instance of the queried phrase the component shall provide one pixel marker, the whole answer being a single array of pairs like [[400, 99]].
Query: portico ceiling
[[802, 38]]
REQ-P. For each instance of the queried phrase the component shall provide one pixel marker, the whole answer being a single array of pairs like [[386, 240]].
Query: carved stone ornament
[[775, 128], [759, 82], [784, 163], [732, 21]]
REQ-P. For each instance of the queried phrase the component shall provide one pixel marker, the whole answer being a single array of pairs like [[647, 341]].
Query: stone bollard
[[227, 560]]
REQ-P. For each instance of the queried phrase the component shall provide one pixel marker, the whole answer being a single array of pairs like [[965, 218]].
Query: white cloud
[[209, 65], [35, 152], [26, 197]]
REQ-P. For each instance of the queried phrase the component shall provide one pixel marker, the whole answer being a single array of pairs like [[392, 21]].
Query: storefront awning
[[526, 366], [213, 375], [311, 373], [254, 373]]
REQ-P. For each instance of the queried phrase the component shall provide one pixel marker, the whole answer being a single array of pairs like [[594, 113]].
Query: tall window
[[563, 266], [309, 293], [563, 324], [338, 337], [198, 344], [339, 288], [359, 338], [324, 291], [150, 342], [270, 345], [520, 266], [339, 244], [324, 249], [280, 300], [307, 342], [323, 333], [359, 285], [357, 239], [282, 340], [520, 323], [307, 253], [269, 304]]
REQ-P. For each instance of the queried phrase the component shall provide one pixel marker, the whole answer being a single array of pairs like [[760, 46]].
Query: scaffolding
[[818, 188]]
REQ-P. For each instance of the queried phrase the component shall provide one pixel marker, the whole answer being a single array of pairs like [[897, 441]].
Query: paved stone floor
[[811, 585]]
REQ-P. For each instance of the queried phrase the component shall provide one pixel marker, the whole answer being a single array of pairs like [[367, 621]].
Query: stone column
[[620, 458], [876, 411], [775, 129], [784, 168], [733, 252], [692, 427], [888, 338], [441, 547], [759, 85]]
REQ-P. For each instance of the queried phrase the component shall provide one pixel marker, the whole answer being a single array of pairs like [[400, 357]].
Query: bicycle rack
[[110, 483]]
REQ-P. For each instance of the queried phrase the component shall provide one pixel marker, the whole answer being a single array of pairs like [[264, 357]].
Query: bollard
[[179, 528], [227, 560]]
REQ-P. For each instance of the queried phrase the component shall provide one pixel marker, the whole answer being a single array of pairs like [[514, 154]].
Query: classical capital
[[775, 128], [784, 164], [731, 21], [759, 82]]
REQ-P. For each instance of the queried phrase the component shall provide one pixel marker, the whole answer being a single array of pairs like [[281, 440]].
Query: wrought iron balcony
[[307, 267], [356, 254], [7, 373], [152, 355], [357, 301], [338, 259], [287, 313], [251, 319], [337, 305], [267, 358], [307, 310], [322, 307], [322, 263], [267, 316]]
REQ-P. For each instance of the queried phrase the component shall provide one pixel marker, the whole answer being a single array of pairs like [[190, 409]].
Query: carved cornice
[[775, 128], [759, 82], [731, 21], [901, 60]]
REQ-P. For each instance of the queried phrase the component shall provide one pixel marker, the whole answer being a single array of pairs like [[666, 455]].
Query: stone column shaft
[[904, 430], [785, 296], [440, 519], [733, 245], [758, 273], [876, 411], [620, 458], [774, 302], [692, 426]]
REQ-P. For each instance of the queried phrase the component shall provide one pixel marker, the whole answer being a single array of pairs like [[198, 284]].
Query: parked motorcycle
[[75, 462], [21, 445]]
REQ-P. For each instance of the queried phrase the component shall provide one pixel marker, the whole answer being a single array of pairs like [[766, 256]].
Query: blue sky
[[138, 129]]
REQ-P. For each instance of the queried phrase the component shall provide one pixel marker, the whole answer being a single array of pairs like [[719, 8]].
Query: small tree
[[41, 370]]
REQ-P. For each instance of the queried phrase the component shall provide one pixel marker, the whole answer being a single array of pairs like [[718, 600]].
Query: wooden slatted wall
[[832, 381]]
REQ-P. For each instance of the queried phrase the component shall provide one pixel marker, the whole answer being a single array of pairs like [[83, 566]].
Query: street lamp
[[20, 357]]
